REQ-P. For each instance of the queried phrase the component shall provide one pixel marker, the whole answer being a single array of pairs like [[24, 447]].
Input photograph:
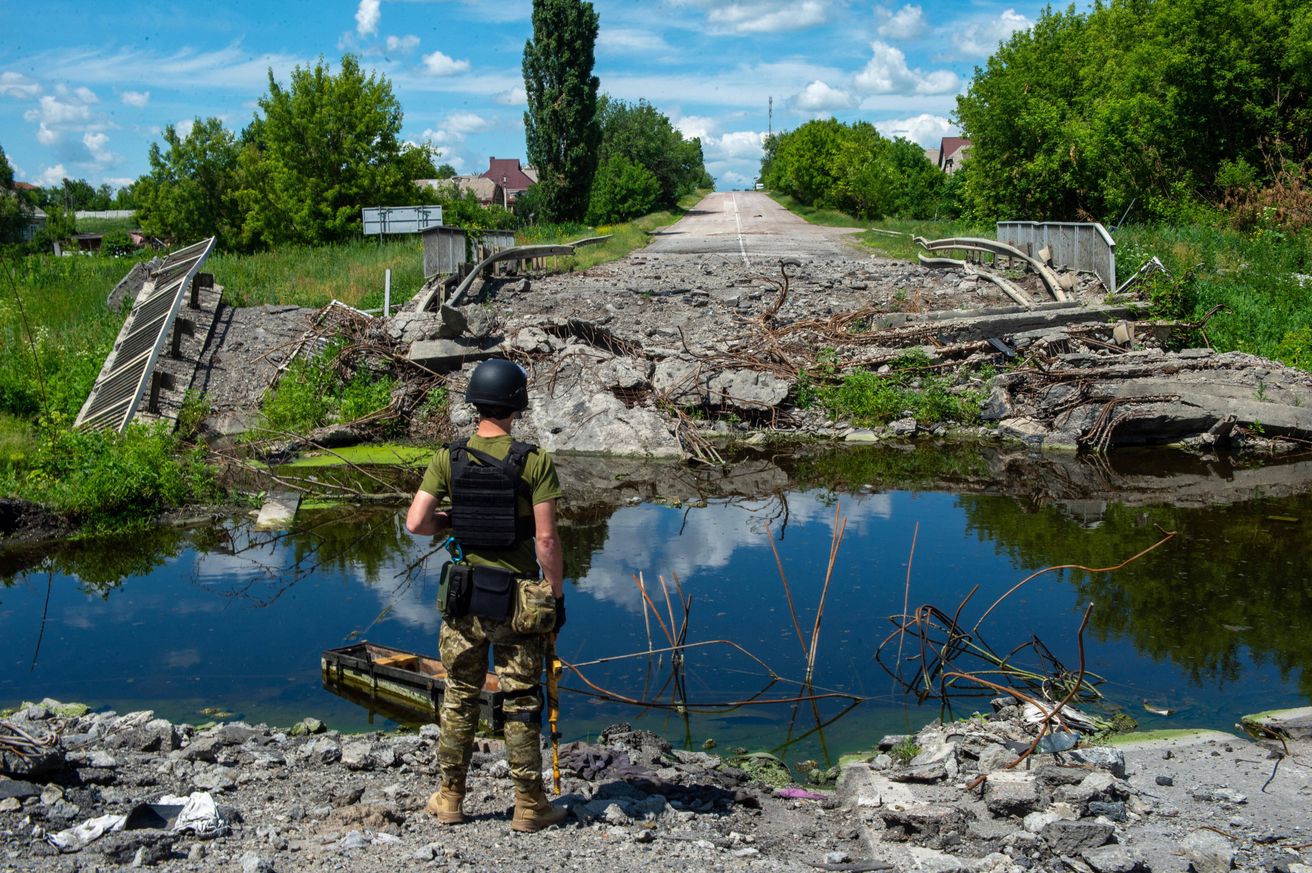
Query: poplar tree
[[561, 131]]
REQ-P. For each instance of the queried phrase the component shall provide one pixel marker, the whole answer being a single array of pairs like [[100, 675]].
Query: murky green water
[[1211, 624]]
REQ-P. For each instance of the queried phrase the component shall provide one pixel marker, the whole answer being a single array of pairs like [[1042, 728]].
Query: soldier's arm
[[550, 556], [422, 517]]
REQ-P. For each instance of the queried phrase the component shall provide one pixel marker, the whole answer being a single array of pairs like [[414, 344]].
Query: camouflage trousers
[[518, 660]]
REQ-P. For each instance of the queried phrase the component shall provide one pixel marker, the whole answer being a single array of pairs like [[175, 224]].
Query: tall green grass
[[70, 327], [312, 276]]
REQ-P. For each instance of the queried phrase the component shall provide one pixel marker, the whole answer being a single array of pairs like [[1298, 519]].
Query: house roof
[[949, 148], [508, 173], [484, 189], [24, 186]]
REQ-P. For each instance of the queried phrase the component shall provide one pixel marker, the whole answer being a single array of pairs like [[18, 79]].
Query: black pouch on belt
[[454, 591], [493, 594]]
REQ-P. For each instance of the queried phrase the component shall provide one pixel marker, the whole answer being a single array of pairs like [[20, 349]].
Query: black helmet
[[498, 382]]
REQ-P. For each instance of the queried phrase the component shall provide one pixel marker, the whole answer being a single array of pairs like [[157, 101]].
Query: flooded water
[[1211, 624]]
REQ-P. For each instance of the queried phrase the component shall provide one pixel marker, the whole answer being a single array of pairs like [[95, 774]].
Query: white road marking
[[737, 220]]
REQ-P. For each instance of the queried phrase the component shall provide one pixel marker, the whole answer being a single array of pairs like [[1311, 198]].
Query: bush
[[909, 388], [312, 393], [107, 481], [622, 190]]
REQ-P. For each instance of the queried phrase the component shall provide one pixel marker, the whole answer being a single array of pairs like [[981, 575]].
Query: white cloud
[[86, 95], [183, 127], [735, 144], [925, 130], [232, 68], [366, 17], [53, 111], [404, 44], [95, 143], [18, 85], [138, 99], [462, 124], [630, 39], [120, 181], [761, 16], [888, 73], [698, 126], [732, 179], [906, 23], [515, 96], [439, 64], [51, 176], [980, 38], [45, 135], [820, 97]]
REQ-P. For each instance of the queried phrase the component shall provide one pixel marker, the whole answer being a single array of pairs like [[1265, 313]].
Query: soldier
[[501, 497]]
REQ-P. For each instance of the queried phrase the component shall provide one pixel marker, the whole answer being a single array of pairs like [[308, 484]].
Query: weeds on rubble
[[905, 751], [910, 388], [313, 392]]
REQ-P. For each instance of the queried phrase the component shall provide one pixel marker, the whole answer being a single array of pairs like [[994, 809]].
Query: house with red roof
[[952, 151], [510, 178]]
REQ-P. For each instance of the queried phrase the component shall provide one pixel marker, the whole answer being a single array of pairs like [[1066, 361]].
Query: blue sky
[[86, 87]]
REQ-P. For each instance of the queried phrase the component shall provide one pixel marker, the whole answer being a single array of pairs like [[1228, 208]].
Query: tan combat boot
[[444, 804], [533, 812]]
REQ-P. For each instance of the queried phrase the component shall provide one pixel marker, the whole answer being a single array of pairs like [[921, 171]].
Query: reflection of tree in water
[[100, 564], [583, 533], [1232, 579], [345, 539], [889, 466]]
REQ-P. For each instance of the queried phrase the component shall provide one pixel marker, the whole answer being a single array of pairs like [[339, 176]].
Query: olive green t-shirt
[[539, 473]]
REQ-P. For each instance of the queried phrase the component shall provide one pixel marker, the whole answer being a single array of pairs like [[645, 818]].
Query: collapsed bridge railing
[[128, 374]]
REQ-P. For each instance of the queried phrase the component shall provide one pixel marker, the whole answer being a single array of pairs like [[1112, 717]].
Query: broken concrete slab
[[278, 511], [443, 355]]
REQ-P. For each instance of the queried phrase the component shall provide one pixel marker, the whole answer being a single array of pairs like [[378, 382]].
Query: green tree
[[13, 215], [190, 192], [622, 189], [644, 135], [324, 148], [1143, 101], [561, 131]]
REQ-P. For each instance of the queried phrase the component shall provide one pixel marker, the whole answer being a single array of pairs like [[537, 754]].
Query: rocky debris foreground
[[301, 800]]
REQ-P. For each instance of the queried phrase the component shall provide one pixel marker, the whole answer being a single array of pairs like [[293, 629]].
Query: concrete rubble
[[619, 354], [270, 799]]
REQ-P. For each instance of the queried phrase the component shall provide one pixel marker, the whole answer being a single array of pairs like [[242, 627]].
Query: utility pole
[[771, 122]]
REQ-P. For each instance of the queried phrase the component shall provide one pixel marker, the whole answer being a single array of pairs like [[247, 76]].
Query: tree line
[[1169, 110], [853, 168], [329, 143]]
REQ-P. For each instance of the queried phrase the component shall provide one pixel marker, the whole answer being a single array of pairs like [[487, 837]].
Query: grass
[[351, 272], [105, 225]]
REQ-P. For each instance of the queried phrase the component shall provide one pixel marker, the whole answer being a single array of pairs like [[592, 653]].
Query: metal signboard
[[400, 219]]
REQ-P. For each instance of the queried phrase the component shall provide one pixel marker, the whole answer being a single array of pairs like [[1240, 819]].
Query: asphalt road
[[748, 225]]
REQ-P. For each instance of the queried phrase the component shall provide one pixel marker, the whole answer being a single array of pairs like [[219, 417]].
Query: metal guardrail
[[126, 376], [1075, 245]]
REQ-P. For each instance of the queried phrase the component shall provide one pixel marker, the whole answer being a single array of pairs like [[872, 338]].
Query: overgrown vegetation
[[910, 387], [317, 390], [852, 168], [104, 481], [1166, 107]]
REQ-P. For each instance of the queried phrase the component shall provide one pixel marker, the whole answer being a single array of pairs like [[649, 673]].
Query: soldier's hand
[[560, 615]]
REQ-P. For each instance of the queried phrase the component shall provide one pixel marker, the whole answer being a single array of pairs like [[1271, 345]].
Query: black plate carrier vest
[[483, 496]]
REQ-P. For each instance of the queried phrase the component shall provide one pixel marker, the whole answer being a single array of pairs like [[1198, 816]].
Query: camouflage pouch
[[535, 607]]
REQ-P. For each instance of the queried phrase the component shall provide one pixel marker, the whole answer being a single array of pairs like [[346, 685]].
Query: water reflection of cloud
[[643, 539], [181, 659]]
